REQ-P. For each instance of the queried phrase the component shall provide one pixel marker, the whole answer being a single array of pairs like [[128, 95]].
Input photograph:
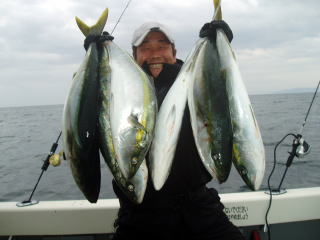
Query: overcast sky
[[277, 42]]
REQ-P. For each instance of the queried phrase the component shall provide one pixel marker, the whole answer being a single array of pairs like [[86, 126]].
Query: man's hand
[[210, 30], [98, 39]]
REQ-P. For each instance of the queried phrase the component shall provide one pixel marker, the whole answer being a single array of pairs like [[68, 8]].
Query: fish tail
[[217, 10], [95, 29]]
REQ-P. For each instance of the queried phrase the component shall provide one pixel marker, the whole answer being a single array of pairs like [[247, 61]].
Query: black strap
[[97, 39], [210, 30]]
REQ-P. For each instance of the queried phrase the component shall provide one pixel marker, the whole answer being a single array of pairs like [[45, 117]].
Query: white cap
[[141, 32]]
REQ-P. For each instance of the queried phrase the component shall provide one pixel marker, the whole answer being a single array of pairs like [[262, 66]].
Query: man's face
[[155, 50]]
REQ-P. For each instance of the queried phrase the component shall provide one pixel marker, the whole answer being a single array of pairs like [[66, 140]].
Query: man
[[184, 208]]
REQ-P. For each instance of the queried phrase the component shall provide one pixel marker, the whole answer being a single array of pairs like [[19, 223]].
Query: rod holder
[[276, 192], [27, 203]]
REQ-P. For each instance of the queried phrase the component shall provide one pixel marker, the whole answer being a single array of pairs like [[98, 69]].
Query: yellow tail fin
[[217, 12], [95, 29]]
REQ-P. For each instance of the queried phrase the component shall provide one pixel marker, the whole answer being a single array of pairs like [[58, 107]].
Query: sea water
[[27, 133]]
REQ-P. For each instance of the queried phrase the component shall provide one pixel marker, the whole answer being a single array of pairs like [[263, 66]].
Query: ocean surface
[[27, 133]]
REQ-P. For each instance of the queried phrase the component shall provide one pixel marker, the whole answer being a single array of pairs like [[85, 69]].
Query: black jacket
[[187, 172]]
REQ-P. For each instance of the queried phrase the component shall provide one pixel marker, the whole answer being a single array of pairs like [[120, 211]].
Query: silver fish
[[209, 111], [133, 187], [248, 149], [133, 109], [80, 116], [168, 125]]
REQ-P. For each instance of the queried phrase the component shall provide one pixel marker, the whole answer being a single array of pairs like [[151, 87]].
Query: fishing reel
[[300, 148], [55, 159], [303, 148]]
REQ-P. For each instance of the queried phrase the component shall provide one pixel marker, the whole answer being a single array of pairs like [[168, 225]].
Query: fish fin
[[171, 120], [133, 120], [223, 74], [235, 154], [217, 12], [142, 131], [95, 29], [74, 74], [253, 117]]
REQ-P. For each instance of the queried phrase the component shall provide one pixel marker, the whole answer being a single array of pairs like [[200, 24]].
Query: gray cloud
[[277, 42]]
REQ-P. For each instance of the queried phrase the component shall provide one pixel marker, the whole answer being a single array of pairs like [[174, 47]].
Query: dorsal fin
[[218, 15], [95, 29]]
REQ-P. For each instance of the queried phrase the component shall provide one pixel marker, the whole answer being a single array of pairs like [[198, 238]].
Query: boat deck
[[294, 215]]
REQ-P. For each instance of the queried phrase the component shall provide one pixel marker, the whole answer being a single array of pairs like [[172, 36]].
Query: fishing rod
[[120, 17], [52, 158], [300, 148], [44, 168]]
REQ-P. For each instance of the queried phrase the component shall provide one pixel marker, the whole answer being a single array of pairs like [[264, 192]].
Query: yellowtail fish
[[168, 124], [80, 116], [209, 111], [133, 108], [135, 186], [248, 148]]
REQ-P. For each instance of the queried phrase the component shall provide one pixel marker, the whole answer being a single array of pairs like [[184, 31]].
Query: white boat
[[293, 215]]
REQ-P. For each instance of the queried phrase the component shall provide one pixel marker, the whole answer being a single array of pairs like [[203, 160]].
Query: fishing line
[[120, 17], [299, 149]]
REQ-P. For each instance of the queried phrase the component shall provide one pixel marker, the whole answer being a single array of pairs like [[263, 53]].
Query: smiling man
[[154, 50], [153, 46], [184, 208]]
